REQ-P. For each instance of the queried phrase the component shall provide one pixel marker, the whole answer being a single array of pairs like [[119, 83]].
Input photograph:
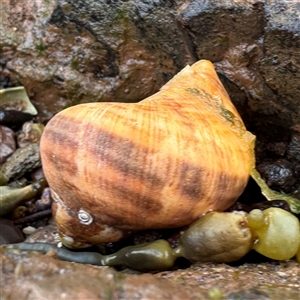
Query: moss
[[121, 14], [108, 294], [39, 46], [74, 63], [223, 40]]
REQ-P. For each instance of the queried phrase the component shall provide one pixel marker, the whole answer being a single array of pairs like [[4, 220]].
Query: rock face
[[67, 52], [34, 276]]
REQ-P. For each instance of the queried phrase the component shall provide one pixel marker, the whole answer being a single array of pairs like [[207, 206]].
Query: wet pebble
[[9, 233], [29, 230], [21, 161], [31, 133], [41, 204], [13, 118], [279, 175], [19, 212], [45, 202], [37, 174], [47, 234], [7, 143]]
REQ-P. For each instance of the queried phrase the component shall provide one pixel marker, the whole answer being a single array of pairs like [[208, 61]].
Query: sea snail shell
[[159, 163]]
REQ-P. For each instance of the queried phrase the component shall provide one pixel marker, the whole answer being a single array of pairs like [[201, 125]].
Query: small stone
[[282, 274], [9, 233], [7, 143], [279, 174], [14, 118], [19, 270], [29, 230], [22, 161], [31, 133], [52, 253], [37, 174]]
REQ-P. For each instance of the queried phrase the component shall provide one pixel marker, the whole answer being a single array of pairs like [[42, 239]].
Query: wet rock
[[124, 52], [34, 276], [279, 175], [37, 174], [293, 151], [70, 53], [7, 143], [14, 118], [45, 201], [9, 233], [23, 160], [31, 133], [222, 25], [78, 281], [47, 234]]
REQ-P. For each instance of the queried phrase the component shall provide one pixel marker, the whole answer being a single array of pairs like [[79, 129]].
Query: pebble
[[279, 174], [29, 230], [13, 118], [31, 133], [7, 143], [23, 160], [282, 274], [9, 233]]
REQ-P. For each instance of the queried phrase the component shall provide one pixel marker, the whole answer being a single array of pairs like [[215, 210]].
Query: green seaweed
[[293, 202], [121, 14]]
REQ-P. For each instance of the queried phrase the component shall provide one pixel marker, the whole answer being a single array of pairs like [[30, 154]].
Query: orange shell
[[159, 163]]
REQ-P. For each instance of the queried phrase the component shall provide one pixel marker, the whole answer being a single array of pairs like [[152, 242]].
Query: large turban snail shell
[[116, 168]]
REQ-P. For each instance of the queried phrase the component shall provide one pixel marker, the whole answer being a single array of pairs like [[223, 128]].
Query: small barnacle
[[84, 217]]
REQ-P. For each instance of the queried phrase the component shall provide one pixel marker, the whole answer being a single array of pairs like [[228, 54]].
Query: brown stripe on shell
[[190, 181], [132, 202], [60, 162], [112, 149], [63, 131]]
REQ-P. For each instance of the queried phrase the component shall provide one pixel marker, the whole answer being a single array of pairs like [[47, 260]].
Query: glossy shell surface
[[159, 163]]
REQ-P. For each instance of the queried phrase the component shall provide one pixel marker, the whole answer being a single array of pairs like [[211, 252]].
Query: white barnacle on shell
[[84, 217]]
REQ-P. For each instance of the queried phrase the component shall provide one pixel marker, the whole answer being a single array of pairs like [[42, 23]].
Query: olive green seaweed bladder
[[219, 237]]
